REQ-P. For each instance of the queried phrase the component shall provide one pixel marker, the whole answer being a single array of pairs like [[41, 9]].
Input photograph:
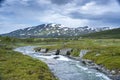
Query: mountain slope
[[52, 30], [114, 33]]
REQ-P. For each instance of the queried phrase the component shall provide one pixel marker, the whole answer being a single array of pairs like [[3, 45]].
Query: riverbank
[[63, 67], [104, 52], [110, 73], [16, 66], [89, 63], [92, 65], [104, 62]]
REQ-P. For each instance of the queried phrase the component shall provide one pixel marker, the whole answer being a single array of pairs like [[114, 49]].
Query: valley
[[59, 39], [103, 52]]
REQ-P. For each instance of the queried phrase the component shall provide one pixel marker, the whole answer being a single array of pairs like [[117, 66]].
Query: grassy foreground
[[16, 66]]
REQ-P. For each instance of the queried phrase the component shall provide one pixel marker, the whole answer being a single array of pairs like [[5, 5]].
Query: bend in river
[[65, 68]]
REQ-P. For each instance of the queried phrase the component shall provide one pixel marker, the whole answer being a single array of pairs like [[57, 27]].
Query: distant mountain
[[52, 30], [113, 33]]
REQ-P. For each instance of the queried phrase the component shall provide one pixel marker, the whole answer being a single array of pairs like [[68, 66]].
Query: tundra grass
[[15, 66], [104, 52], [108, 57]]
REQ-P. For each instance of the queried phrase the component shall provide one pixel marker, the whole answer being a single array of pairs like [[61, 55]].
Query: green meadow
[[104, 52], [16, 66]]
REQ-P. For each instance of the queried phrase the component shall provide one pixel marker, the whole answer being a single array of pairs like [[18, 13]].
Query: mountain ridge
[[52, 30], [107, 34]]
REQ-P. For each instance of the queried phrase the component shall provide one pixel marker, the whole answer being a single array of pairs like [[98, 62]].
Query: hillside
[[52, 30], [114, 33]]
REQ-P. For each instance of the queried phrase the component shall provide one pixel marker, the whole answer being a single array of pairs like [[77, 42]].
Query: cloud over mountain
[[73, 13]]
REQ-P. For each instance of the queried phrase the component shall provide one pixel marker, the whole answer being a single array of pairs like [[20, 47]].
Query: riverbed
[[63, 67]]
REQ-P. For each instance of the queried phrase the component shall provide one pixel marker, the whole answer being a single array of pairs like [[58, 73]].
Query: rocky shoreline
[[111, 74]]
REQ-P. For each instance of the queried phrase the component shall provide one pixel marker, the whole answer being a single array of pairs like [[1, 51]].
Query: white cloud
[[35, 12], [93, 8], [67, 21]]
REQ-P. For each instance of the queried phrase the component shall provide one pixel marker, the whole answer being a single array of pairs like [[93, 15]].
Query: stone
[[56, 57], [46, 50], [113, 72], [57, 52], [68, 53]]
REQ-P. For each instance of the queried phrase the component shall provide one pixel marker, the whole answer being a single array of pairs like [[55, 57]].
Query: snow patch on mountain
[[54, 30]]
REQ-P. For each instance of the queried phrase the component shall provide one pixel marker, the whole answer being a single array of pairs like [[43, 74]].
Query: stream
[[63, 67]]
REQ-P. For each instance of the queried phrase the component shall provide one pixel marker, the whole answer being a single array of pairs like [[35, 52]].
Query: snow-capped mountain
[[53, 30]]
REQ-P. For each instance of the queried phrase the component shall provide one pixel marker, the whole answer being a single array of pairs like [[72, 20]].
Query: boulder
[[71, 50], [64, 51], [56, 57], [43, 50], [46, 50], [38, 50], [57, 52], [68, 53], [113, 72]]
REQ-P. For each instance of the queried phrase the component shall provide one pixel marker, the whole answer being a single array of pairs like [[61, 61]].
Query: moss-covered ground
[[16, 66]]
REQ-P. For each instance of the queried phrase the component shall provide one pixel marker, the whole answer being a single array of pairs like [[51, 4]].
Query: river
[[63, 67]]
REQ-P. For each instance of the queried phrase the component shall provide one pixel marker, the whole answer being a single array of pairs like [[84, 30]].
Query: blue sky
[[16, 14]]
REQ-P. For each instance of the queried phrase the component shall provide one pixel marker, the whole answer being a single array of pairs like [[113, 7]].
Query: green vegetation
[[31, 41], [16, 66], [114, 33], [104, 52], [52, 47], [76, 52], [108, 56]]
